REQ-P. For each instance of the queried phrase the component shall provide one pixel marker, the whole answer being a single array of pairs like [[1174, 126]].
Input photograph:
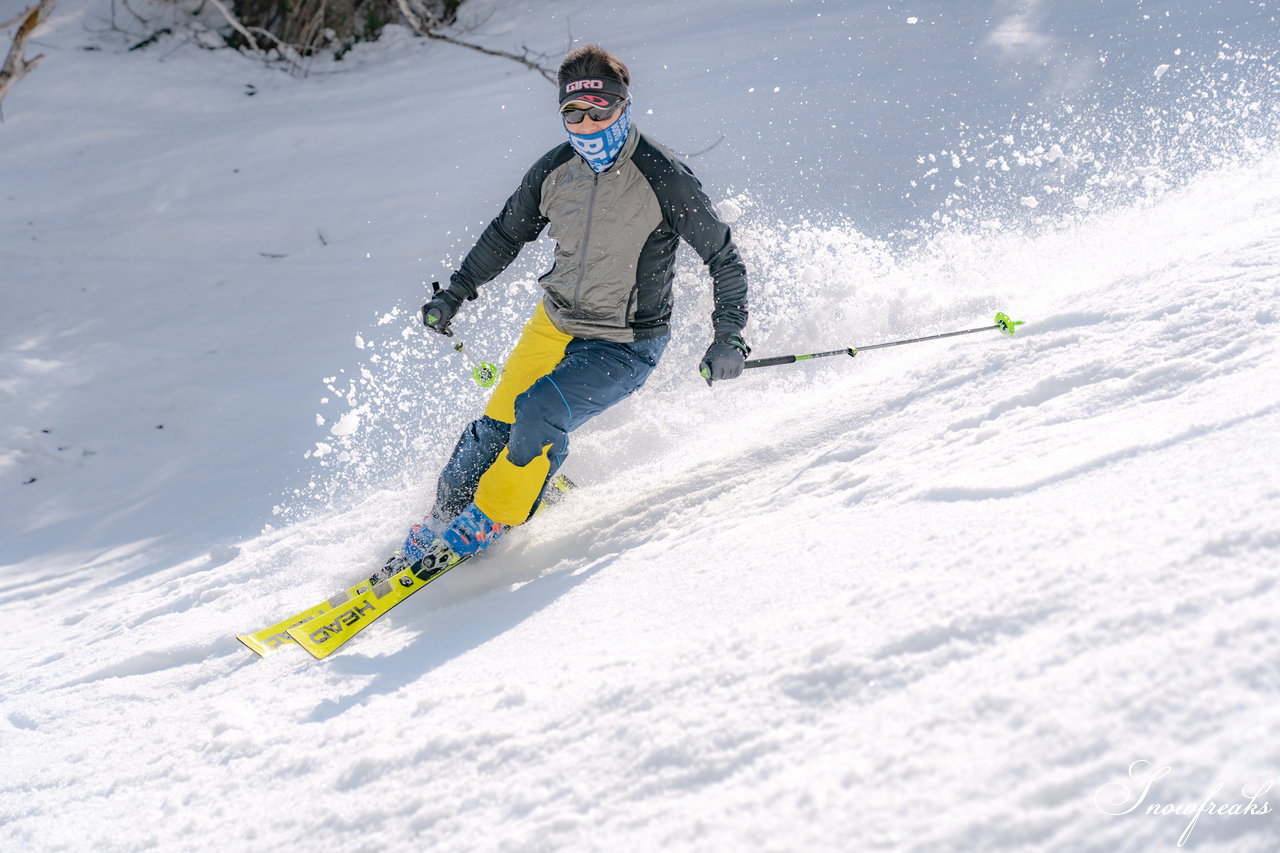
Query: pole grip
[[769, 362]]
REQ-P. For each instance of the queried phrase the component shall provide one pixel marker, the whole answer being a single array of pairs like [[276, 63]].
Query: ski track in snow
[[929, 599]]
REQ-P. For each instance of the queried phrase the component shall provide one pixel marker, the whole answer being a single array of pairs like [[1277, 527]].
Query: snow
[[348, 424], [975, 594]]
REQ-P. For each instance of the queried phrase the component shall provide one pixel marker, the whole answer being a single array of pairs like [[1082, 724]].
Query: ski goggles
[[575, 111]]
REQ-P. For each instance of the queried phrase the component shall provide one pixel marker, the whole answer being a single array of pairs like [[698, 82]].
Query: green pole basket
[[485, 374]]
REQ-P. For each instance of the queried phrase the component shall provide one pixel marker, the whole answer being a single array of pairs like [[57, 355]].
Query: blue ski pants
[[551, 384]]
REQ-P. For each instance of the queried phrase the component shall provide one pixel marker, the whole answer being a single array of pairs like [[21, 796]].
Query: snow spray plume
[[1105, 147], [402, 409], [1020, 198]]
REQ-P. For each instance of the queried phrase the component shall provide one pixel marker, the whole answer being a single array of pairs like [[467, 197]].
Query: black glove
[[725, 358], [437, 313]]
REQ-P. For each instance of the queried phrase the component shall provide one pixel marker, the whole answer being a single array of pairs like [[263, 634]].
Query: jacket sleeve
[[710, 237], [690, 214], [519, 222]]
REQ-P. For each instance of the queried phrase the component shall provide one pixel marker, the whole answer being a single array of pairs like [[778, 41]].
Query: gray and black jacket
[[616, 236]]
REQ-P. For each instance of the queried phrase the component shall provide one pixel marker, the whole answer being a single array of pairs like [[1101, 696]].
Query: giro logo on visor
[[583, 88]]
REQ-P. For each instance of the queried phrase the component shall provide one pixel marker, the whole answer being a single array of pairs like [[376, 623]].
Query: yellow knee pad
[[508, 492]]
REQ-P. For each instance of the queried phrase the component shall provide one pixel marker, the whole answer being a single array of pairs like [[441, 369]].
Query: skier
[[617, 204]]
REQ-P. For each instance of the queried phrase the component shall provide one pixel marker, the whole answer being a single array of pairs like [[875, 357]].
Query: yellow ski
[[277, 635], [329, 624], [324, 632]]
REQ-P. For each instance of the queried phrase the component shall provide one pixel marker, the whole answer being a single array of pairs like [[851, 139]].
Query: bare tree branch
[[708, 148], [16, 66], [428, 27], [137, 17], [236, 25]]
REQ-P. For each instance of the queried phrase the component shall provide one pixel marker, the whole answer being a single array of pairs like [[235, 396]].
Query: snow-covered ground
[[977, 594]]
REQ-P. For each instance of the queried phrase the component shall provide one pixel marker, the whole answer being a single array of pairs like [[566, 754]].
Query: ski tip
[[252, 645]]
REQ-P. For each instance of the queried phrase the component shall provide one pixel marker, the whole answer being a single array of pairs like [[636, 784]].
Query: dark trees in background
[[308, 26]]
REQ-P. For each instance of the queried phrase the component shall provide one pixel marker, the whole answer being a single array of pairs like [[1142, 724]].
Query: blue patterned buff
[[600, 149]]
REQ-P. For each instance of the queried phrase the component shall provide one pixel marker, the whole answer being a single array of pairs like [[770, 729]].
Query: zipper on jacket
[[586, 242]]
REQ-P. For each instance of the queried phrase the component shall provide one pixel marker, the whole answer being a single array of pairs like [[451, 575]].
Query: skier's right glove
[[725, 358], [437, 313]]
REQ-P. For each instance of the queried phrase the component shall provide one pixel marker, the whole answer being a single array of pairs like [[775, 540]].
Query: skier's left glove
[[437, 313], [725, 358]]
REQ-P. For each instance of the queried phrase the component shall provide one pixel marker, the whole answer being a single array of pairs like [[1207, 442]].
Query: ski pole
[[485, 373], [1003, 323]]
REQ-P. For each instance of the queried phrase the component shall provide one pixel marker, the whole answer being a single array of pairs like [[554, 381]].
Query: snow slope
[[942, 597]]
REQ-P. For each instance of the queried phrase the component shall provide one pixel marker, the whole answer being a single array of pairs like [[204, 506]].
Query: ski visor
[[602, 92], [601, 149]]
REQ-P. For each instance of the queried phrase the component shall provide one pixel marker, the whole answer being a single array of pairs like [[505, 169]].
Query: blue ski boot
[[471, 532], [421, 536], [420, 543]]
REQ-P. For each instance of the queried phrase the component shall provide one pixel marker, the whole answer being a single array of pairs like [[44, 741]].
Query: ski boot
[[471, 532], [420, 544]]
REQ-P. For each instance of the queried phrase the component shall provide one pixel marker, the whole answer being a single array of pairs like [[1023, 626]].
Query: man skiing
[[617, 204]]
